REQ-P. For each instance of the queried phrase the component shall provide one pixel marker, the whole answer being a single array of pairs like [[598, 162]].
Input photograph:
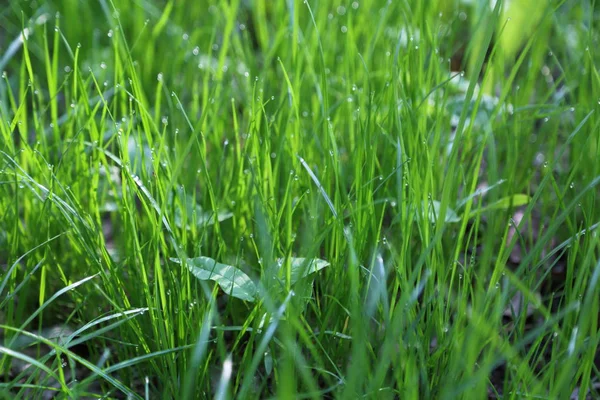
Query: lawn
[[259, 199]]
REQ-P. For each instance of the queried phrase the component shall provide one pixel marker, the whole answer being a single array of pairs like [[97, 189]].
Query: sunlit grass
[[299, 200]]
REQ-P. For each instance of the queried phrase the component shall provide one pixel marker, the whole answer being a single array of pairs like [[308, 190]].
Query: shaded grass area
[[299, 200]]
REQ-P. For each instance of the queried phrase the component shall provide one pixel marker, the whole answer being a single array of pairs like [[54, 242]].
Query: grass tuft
[[317, 199]]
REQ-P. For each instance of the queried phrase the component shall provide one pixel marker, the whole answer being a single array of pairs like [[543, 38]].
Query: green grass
[[256, 199]]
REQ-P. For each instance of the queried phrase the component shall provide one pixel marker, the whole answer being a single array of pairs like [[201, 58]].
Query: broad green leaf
[[479, 192], [232, 280], [268, 362], [516, 200], [302, 267], [524, 17], [140, 156], [434, 211], [202, 218], [193, 211]]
